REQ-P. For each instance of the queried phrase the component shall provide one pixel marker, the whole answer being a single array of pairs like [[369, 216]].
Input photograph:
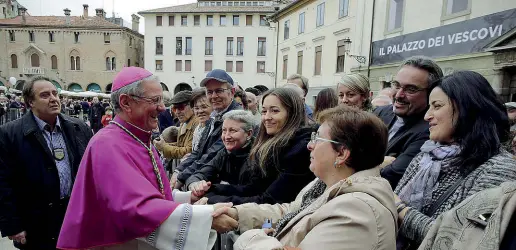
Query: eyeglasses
[[216, 91], [410, 89], [179, 107], [314, 138], [155, 100]]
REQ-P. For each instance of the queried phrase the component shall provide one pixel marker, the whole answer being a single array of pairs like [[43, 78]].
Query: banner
[[454, 39]]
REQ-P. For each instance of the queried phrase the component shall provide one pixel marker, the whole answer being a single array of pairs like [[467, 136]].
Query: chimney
[[67, 14], [23, 11], [99, 12], [85, 13], [136, 22]]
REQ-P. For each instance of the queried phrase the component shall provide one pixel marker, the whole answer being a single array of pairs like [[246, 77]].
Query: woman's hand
[[199, 188], [202, 201], [159, 144], [219, 210]]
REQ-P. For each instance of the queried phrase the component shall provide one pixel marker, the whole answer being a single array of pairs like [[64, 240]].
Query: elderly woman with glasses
[[348, 206]]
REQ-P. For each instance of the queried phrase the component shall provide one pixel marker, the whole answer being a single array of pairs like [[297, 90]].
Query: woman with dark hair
[[241, 98], [278, 161], [348, 206], [468, 125], [326, 99]]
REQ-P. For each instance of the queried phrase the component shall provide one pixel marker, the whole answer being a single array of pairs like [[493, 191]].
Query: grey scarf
[[418, 191], [308, 198]]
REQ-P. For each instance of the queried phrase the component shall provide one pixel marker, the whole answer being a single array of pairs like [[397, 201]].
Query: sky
[[123, 8]]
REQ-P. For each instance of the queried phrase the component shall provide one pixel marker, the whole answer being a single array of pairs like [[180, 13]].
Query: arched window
[[75, 60], [78, 62], [113, 63], [14, 61], [34, 60], [108, 64], [53, 60], [72, 62], [110, 61]]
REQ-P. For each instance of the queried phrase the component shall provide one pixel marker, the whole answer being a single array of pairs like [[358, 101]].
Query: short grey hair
[[243, 116], [304, 81], [296, 88], [134, 88], [435, 73]]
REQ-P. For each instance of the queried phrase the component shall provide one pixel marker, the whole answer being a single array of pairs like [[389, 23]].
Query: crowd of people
[[429, 163]]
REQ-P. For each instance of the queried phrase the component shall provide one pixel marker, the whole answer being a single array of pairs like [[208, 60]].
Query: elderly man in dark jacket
[[39, 158]]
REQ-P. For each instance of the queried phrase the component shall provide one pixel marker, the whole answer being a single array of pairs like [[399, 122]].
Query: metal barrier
[[10, 114]]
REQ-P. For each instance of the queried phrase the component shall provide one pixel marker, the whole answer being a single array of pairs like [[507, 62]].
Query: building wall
[[9, 13], [91, 49], [434, 16], [352, 26], [248, 78]]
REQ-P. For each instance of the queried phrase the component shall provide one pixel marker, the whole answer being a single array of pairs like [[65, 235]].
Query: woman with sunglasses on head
[[354, 90], [348, 206], [468, 126]]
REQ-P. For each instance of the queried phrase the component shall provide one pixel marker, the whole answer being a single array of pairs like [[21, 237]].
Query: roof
[[194, 8], [290, 5], [92, 22]]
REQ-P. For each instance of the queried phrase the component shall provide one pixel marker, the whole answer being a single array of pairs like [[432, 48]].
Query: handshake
[[225, 217]]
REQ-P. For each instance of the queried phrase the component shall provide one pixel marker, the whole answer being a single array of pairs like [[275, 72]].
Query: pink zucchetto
[[129, 75]]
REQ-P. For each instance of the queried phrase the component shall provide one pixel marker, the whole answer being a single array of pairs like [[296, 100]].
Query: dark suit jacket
[[29, 180], [405, 144]]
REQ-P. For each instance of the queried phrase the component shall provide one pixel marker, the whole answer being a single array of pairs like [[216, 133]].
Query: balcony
[[34, 71]]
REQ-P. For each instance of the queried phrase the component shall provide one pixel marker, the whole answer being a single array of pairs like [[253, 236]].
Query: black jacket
[[225, 166], [404, 145], [209, 146], [29, 180], [282, 182]]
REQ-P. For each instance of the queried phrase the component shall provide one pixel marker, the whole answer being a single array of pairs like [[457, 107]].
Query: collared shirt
[[396, 127], [55, 140]]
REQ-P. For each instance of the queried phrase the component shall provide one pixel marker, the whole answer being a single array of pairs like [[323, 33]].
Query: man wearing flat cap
[[188, 123], [220, 90], [122, 197], [511, 112]]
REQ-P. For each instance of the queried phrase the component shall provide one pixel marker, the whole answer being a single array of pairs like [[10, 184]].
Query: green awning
[[93, 87], [57, 85], [1, 83], [75, 87]]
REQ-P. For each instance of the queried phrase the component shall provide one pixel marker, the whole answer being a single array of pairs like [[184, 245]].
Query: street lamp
[[360, 59], [193, 81]]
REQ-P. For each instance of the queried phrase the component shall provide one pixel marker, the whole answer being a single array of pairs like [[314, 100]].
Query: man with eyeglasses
[[220, 90], [408, 130], [122, 196]]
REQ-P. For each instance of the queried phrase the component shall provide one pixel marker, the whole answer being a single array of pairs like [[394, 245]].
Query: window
[[320, 15], [240, 46], [229, 66], [110, 63], [395, 14], [208, 46], [343, 8], [229, 46], [159, 64], [75, 63], [76, 37], [222, 20], [300, 62], [207, 65], [285, 66], [171, 20], [34, 60], [456, 6], [286, 29], [249, 20], [341, 54], [263, 22], [130, 41], [236, 20], [179, 65], [31, 36], [14, 61], [179, 45], [159, 21], [209, 20], [239, 66], [261, 46], [51, 37], [318, 58], [301, 25], [12, 36], [159, 45], [184, 20], [188, 49], [53, 62], [107, 38], [260, 67], [188, 65], [128, 62], [196, 20]]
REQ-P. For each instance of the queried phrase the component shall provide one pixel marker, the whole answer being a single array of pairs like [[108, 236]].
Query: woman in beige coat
[[349, 206]]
